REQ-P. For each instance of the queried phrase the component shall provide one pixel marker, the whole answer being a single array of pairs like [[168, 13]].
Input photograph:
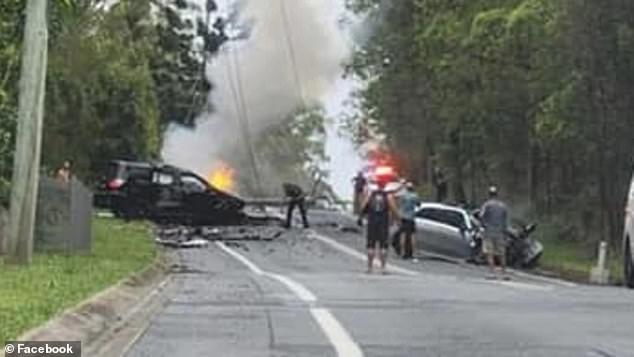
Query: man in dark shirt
[[296, 198], [359, 182], [378, 207], [495, 216]]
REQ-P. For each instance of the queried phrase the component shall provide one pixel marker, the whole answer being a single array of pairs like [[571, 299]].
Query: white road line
[[522, 286], [335, 332], [543, 279], [356, 254], [299, 290], [339, 338], [254, 268]]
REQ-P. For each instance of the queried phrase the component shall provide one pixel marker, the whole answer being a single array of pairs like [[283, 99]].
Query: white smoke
[[267, 78]]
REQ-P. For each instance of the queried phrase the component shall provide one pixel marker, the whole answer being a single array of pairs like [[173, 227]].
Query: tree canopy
[[532, 95], [118, 75]]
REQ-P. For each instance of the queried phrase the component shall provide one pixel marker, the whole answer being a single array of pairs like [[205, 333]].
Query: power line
[[291, 51], [242, 111], [237, 91]]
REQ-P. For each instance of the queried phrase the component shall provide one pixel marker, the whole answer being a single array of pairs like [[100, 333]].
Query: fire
[[222, 177]]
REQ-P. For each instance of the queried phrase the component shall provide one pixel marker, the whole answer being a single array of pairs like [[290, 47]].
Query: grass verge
[[31, 295], [573, 261]]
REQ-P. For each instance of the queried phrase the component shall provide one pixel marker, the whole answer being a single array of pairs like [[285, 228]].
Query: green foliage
[[10, 34], [177, 64], [533, 95], [295, 149], [117, 77], [32, 295]]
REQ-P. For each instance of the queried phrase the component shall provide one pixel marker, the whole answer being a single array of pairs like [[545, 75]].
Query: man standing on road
[[296, 198], [378, 206], [495, 217], [408, 201], [359, 183]]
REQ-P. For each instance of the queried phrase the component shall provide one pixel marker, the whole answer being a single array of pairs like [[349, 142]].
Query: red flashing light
[[384, 171]]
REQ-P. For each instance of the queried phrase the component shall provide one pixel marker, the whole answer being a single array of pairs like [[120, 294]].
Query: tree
[[512, 92], [294, 150]]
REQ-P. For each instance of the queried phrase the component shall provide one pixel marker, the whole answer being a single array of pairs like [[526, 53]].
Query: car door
[[136, 189], [167, 199], [430, 232], [456, 242], [196, 195], [440, 230]]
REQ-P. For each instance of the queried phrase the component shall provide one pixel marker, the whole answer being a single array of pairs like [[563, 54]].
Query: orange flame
[[222, 177]]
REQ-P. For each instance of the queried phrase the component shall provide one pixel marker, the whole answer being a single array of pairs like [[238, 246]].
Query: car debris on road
[[199, 237]]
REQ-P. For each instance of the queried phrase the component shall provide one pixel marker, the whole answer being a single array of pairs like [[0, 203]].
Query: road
[[306, 294]]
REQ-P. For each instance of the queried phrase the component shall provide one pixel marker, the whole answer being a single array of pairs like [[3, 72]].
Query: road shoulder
[[96, 320]]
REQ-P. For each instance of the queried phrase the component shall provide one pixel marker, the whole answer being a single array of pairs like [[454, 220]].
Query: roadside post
[[26, 161], [599, 273]]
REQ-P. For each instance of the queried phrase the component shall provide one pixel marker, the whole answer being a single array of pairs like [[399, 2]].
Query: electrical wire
[[291, 51], [235, 83], [236, 86]]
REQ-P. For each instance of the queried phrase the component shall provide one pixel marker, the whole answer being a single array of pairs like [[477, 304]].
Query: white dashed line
[[330, 326]]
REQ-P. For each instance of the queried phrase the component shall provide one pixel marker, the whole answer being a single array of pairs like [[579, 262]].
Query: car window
[[114, 171], [193, 183], [444, 216], [426, 213], [163, 178]]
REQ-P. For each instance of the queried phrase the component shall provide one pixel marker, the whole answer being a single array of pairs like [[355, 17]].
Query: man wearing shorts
[[408, 201], [495, 217], [377, 207]]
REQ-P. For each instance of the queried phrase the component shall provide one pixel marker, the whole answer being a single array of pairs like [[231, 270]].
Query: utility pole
[[26, 161]]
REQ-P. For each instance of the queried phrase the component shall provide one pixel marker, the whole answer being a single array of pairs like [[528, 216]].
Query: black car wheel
[[629, 266]]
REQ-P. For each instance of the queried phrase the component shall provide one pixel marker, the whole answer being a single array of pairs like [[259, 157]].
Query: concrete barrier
[[63, 220], [599, 274]]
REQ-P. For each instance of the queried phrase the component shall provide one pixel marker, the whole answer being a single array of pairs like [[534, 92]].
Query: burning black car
[[167, 195]]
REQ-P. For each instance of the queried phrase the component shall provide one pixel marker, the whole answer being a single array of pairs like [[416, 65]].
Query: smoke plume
[[264, 64]]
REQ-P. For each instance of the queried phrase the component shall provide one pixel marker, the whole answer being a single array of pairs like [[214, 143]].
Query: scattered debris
[[350, 229], [199, 237], [344, 228], [192, 243]]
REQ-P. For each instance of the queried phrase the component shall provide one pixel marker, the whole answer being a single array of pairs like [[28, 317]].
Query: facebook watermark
[[43, 349]]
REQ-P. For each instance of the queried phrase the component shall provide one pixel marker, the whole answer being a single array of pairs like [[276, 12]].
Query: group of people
[[382, 208]]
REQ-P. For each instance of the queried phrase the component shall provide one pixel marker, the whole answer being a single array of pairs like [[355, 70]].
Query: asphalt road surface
[[306, 294]]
